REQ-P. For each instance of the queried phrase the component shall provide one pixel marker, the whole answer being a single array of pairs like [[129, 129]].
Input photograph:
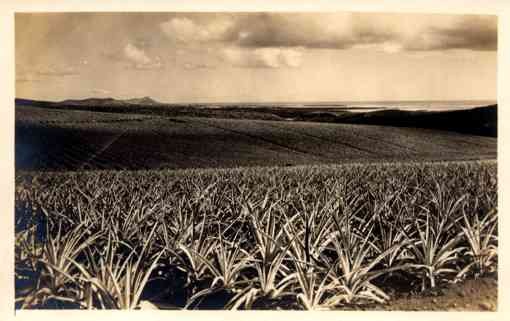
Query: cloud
[[338, 31], [113, 54], [263, 57], [198, 65], [100, 91], [471, 32], [157, 64], [139, 58], [388, 32], [185, 30], [387, 47], [27, 78], [41, 72], [56, 71], [136, 55]]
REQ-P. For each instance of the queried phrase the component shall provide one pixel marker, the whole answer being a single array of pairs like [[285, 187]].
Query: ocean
[[364, 106]]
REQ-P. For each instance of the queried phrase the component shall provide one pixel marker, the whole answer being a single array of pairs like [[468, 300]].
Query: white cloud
[[139, 58], [263, 57], [198, 65], [136, 55], [56, 70], [186, 30], [390, 47], [27, 77], [291, 57], [100, 91], [157, 64], [44, 72], [413, 32]]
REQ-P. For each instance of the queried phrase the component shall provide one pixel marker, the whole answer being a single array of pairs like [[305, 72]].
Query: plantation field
[[303, 237], [56, 139]]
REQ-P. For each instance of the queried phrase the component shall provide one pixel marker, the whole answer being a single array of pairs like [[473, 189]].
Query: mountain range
[[144, 101]]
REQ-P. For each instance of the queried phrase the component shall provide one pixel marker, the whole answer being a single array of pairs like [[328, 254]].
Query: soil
[[479, 294]]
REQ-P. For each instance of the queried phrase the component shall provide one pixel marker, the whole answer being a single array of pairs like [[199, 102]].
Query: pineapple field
[[303, 237]]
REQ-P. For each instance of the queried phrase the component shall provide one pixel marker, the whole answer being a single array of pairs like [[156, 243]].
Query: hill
[[63, 139], [107, 102], [476, 121]]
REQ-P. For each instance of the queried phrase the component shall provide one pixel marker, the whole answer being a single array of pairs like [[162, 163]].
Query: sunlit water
[[366, 106]]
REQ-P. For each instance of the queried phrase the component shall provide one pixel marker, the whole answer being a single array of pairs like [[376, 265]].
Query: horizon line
[[267, 102]]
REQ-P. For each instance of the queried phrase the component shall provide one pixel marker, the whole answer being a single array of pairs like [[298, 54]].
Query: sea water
[[426, 105]]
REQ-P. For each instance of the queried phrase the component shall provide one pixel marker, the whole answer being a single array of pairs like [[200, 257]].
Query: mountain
[[88, 102], [144, 101]]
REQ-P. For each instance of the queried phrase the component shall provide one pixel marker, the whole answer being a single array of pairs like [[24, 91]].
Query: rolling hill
[[64, 139], [477, 121]]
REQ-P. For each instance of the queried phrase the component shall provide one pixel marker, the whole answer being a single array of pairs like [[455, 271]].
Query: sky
[[256, 57]]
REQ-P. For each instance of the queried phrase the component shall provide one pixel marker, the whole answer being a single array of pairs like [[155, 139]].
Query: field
[[482, 120], [147, 210], [51, 139], [304, 237], [256, 160]]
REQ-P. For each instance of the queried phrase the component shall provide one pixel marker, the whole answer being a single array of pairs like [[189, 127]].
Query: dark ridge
[[34, 103], [481, 121], [88, 101]]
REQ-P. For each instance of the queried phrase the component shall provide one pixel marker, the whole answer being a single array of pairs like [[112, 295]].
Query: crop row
[[315, 237]]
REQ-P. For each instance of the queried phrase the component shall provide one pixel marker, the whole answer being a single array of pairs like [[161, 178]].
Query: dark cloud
[[475, 33], [335, 30], [259, 30], [308, 30]]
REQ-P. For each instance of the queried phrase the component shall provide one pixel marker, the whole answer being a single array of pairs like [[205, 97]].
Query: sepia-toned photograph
[[335, 160]]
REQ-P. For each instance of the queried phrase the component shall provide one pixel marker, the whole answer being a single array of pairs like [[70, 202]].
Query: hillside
[[476, 121], [49, 139], [107, 102]]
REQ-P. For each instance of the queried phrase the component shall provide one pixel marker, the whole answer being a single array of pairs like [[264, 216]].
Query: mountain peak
[[143, 101], [110, 101]]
